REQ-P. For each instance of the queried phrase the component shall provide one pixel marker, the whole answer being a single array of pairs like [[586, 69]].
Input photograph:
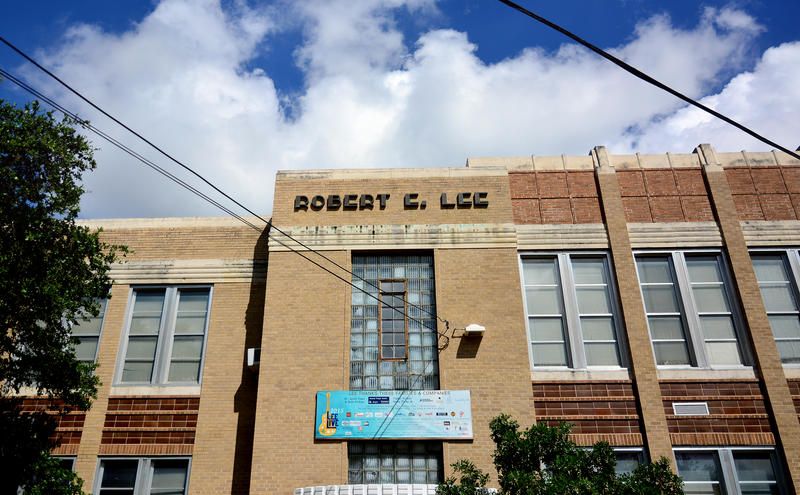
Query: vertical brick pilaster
[[765, 352], [642, 363]]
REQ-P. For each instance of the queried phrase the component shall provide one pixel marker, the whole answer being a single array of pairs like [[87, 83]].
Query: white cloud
[[372, 98]]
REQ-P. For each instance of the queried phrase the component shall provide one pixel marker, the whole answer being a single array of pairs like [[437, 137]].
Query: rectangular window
[[393, 334], [729, 471], [393, 319], [146, 476], [87, 330], [628, 459], [571, 307], [166, 335], [690, 309], [777, 273], [394, 462]]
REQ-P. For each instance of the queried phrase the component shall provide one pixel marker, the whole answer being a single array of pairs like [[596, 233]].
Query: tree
[[52, 272], [542, 460]]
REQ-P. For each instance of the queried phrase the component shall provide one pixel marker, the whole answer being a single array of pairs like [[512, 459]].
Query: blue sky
[[242, 89]]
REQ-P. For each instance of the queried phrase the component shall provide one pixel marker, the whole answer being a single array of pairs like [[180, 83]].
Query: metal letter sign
[[393, 414]]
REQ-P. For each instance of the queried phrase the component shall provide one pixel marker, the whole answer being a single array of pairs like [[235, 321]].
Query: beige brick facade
[[251, 429]]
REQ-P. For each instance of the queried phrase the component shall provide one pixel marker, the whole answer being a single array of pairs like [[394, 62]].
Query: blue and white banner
[[393, 414]]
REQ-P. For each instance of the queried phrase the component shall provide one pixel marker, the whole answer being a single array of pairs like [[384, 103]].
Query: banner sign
[[393, 414]]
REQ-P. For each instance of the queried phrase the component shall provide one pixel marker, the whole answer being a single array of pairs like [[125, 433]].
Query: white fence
[[371, 490]]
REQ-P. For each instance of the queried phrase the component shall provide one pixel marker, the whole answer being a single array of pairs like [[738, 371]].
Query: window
[[729, 471], [627, 460], [393, 319], [67, 462], [166, 335], [148, 476], [690, 310], [393, 335], [87, 331], [394, 462], [777, 273], [571, 307]]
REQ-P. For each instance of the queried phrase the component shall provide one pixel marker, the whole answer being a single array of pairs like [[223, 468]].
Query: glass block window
[[166, 335], [143, 476], [690, 309], [571, 310], [394, 462], [775, 272], [390, 350], [87, 331]]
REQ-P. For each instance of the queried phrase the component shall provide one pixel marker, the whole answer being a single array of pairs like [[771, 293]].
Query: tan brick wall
[[767, 359], [482, 286], [223, 445], [304, 349], [642, 362]]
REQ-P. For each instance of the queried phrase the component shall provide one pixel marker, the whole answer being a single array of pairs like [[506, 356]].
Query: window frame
[[144, 471], [575, 345], [102, 316], [791, 256], [403, 295], [730, 482], [165, 339], [690, 315]]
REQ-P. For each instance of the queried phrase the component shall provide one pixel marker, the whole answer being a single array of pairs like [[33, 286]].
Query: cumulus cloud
[[372, 98]]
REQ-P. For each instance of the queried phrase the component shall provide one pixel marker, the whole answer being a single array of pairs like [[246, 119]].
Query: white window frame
[[166, 334], [144, 472], [730, 478], [690, 315], [792, 257], [576, 353]]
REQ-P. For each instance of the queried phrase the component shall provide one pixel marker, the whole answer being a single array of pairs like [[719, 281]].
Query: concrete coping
[[168, 222], [634, 161], [390, 173]]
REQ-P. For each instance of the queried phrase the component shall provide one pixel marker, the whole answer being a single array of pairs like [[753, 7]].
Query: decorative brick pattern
[[765, 193], [150, 421], [70, 423], [664, 195], [602, 410], [555, 197]]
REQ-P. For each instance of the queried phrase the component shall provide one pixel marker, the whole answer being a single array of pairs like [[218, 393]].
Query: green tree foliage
[[52, 271], [542, 460]]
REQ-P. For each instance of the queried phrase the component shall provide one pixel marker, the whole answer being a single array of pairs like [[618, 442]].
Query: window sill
[[565, 374], [155, 390], [792, 371], [741, 372]]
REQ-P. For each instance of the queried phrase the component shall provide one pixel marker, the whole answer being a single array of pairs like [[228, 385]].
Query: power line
[[205, 197], [198, 175], [645, 77]]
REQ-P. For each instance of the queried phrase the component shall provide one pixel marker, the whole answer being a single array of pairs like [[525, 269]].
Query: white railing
[[385, 489]]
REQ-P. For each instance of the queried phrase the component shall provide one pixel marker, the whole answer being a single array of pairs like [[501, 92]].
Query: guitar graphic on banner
[[328, 421]]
